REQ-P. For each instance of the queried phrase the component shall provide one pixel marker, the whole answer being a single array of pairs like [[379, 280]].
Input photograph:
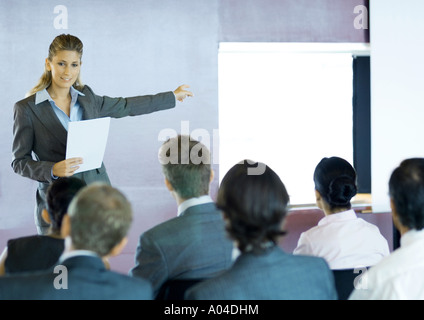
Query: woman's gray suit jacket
[[39, 139]]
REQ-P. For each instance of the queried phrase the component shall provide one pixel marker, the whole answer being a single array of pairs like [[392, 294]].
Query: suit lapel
[[45, 114], [88, 112]]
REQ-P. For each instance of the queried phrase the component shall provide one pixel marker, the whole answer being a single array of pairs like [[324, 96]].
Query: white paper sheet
[[87, 139]]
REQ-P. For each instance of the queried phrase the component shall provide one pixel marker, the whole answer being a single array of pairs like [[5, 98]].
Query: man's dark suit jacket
[[32, 253], [274, 275], [86, 279], [192, 246]]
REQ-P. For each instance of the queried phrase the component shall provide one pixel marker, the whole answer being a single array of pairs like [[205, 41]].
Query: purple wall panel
[[290, 21]]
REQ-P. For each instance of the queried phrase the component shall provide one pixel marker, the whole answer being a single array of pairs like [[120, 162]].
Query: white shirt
[[399, 276], [344, 241], [75, 253], [193, 202], [69, 253]]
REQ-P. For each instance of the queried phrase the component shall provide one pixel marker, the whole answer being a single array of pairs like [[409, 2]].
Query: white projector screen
[[287, 105]]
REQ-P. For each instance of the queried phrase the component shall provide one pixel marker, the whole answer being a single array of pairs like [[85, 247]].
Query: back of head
[[255, 205], [335, 180], [58, 197], [406, 189], [100, 217], [186, 164]]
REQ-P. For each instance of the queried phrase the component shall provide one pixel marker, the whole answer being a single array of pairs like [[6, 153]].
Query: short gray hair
[[100, 218]]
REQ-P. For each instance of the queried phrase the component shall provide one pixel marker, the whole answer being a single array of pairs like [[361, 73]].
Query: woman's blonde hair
[[61, 42]]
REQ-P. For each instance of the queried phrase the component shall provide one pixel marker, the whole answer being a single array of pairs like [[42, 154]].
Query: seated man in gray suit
[[95, 228], [254, 202], [194, 244]]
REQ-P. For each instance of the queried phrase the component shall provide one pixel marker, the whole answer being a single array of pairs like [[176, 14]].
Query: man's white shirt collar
[[75, 253], [193, 202], [68, 253], [411, 236]]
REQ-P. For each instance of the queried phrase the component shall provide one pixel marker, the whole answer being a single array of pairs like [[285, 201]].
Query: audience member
[[194, 244], [37, 252], [96, 226], [400, 275], [254, 202], [341, 238]]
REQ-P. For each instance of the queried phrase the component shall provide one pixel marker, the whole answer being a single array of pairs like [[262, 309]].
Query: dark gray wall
[[140, 47]]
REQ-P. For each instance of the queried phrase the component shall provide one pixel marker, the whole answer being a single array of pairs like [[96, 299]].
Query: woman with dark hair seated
[[254, 203], [38, 252], [343, 239]]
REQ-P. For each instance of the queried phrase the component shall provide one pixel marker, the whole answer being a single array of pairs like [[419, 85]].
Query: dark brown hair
[[254, 205], [335, 180]]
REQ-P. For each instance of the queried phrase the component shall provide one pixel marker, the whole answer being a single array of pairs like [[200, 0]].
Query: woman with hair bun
[[341, 238]]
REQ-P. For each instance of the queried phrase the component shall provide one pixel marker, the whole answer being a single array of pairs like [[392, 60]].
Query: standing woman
[[41, 119]]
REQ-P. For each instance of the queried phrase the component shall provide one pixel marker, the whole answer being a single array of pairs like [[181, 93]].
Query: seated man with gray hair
[[95, 228]]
